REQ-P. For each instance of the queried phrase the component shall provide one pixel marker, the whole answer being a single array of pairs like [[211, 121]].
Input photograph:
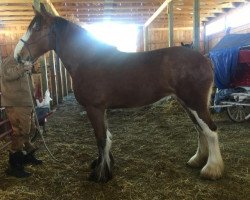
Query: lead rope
[[36, 119]]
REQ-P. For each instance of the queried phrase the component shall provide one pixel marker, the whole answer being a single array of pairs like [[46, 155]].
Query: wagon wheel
[[237, 113]]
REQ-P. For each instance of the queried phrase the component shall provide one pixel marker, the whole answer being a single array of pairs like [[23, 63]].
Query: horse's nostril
[[18, 58]]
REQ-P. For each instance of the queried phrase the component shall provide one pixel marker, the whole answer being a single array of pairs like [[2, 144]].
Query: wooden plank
[[51, 6], [5, 134], [70, 84], [44, 73], [170, 25], [159, 10], [196, 32], [64, 80], [16, 1], [36, 4], [5, 145], [53, 78], [59, 79], [145, 38]]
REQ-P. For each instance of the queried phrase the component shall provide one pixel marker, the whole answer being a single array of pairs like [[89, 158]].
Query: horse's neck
[[76, 46], [67, 48]]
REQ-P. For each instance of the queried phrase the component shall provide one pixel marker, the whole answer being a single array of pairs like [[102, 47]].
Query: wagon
[[231, 60]]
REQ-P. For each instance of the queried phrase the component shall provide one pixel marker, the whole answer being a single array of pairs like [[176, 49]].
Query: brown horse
[[104, 77]]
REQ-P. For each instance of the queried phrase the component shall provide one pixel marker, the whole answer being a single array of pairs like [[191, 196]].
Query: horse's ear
[[43, 9], [35, 10]]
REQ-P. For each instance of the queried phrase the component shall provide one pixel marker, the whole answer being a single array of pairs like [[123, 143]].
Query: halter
[[26, 44]]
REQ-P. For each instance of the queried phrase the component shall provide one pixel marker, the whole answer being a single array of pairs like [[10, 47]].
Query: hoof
[[196, 162], [97, 161], [212, 172], [18, 173], [101, 172], [95, 176]]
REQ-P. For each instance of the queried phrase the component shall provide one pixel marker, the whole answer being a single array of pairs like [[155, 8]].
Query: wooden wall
[[9, 37], [158, 37], [213, 39]]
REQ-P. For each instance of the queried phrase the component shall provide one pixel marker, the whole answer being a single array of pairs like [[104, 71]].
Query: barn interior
[[150, 153]]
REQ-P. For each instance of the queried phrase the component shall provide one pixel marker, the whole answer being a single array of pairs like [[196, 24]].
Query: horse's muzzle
[[18, 59]]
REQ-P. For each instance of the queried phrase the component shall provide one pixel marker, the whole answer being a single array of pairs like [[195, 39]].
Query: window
[[122, 36], [240, 17]]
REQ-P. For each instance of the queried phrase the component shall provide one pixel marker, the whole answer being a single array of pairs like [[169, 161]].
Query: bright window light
[[122, 36], [215, 27], [238, 18]]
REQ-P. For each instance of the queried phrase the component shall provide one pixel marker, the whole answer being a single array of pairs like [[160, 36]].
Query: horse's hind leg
[[201, 155], [214, 166], [102, 167]]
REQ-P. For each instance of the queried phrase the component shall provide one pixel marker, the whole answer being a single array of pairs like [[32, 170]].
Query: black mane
[[37, 18], [61, 24]]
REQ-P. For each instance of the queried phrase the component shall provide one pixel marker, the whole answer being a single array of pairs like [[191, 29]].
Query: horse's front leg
[[102, 167]]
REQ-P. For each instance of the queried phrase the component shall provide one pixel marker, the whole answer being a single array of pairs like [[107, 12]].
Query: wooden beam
[[58, 67], [69, 83], [53, 78], [170, 25], [16, 1], [196, 32], [64, 80], [159, 10], [44, 73], [51, 6], [145, 38], [36, 4]]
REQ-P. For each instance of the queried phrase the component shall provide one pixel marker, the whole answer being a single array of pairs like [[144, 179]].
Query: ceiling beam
[[159, 10], [76, 1], [51, 6]]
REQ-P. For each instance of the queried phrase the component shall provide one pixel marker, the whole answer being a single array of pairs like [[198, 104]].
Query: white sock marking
[[107, 147], [214, 156]]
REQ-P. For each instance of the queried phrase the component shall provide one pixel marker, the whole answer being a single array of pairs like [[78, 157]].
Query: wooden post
[[36, 4], [59, 79], [170, 25], [69, 81], [53, 78], [44, 74], [204, 38], [64, 80], [145, 38], [1, 59], [196, 28]]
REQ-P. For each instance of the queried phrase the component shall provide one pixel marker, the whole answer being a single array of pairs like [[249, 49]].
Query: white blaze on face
[[20, 44]]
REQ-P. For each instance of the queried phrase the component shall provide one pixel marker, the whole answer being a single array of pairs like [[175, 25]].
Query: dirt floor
[[151, 147]]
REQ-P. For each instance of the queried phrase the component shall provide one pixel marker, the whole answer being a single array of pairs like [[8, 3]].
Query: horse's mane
[[37, 18], [61, 24]]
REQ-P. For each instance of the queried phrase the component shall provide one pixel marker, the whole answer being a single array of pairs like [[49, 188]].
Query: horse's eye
[[36, 27]]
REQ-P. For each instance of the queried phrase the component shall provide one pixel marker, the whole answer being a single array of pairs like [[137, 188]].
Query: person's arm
[[13, 72]]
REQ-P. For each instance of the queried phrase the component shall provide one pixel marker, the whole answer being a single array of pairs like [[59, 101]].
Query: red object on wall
[[242, 74], [244, 56]]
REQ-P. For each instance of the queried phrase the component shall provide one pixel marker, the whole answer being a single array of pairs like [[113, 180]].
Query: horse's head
[[38, 38]]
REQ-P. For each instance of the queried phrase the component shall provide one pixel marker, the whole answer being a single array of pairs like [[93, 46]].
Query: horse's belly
[[136, 99]]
